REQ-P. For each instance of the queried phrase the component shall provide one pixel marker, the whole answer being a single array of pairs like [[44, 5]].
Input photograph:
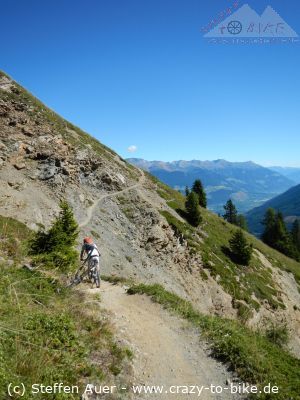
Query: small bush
[[277, 334], [95, 234], [51, 331], [244, 313]]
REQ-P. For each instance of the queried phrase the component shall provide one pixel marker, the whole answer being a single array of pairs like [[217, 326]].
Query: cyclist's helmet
[[87, 240]]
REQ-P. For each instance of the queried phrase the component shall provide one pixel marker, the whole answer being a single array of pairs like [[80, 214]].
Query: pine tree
[[193, 209], [282, 237], [269, 222], [276, 233], [240, 249], [187, 191], [230, 212], [64, 230], [295, 235], [56, 246], [199, 190]]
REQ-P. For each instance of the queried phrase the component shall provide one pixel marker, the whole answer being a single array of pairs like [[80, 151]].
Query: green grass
[[127, 208], [115, 279], [278, 259], [47, 336], [47, 332], [183, 229], [251, 355], [12, 237], [95, 234], [211, 240], [241, 282]]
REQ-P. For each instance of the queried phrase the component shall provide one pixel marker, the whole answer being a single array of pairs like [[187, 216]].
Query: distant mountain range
[[290, 172], [288, 203], [249, 185]]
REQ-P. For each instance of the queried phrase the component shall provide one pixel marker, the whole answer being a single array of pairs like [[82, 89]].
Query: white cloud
[[132, 149]]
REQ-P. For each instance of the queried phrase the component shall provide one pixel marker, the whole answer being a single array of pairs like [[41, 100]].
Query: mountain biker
[[92, 253]]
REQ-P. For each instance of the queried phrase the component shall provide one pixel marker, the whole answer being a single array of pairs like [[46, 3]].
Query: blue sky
[[138, 72]]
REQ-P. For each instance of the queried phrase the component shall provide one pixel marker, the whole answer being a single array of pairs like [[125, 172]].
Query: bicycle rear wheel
[[97, 279]]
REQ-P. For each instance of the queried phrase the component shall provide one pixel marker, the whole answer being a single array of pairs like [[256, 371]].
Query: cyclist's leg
[[90, 268], [96, 271]]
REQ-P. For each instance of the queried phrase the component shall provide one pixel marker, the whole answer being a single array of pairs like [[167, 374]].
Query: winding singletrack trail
[[167, 350], [90, 210]]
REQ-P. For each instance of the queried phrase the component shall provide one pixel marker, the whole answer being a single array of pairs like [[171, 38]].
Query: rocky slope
[[132, 217]]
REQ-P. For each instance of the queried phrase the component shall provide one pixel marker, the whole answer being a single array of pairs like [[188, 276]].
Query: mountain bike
[[92, 273]]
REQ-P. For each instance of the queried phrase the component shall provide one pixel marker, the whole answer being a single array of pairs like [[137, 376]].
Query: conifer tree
[[276, 233], [193, 209], [269, 222], [240, 249], [56, 246], [187, 191], [295, 234], [199, 190], [65, 228], [242, 222], [230, 212]]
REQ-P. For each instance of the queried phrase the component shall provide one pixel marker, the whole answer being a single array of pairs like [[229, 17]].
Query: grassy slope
[[211, 239], [46, 335], [256, 359]]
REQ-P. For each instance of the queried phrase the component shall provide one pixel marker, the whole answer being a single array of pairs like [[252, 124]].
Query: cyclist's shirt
[[91, 250]]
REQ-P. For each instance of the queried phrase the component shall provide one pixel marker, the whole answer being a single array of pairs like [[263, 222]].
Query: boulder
[[27, 132], [19, 165], [156, 235], [48, 170]]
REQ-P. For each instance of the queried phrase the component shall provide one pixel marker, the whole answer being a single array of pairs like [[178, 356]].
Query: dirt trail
[[90, 210], [167, 350]]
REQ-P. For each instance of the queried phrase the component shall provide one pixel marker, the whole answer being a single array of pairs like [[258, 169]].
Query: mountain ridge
[[247, 183], [288, 203], [292, 173]]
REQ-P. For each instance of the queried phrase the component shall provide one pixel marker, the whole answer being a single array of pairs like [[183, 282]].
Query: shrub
[[52, 331], [277, 334]]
